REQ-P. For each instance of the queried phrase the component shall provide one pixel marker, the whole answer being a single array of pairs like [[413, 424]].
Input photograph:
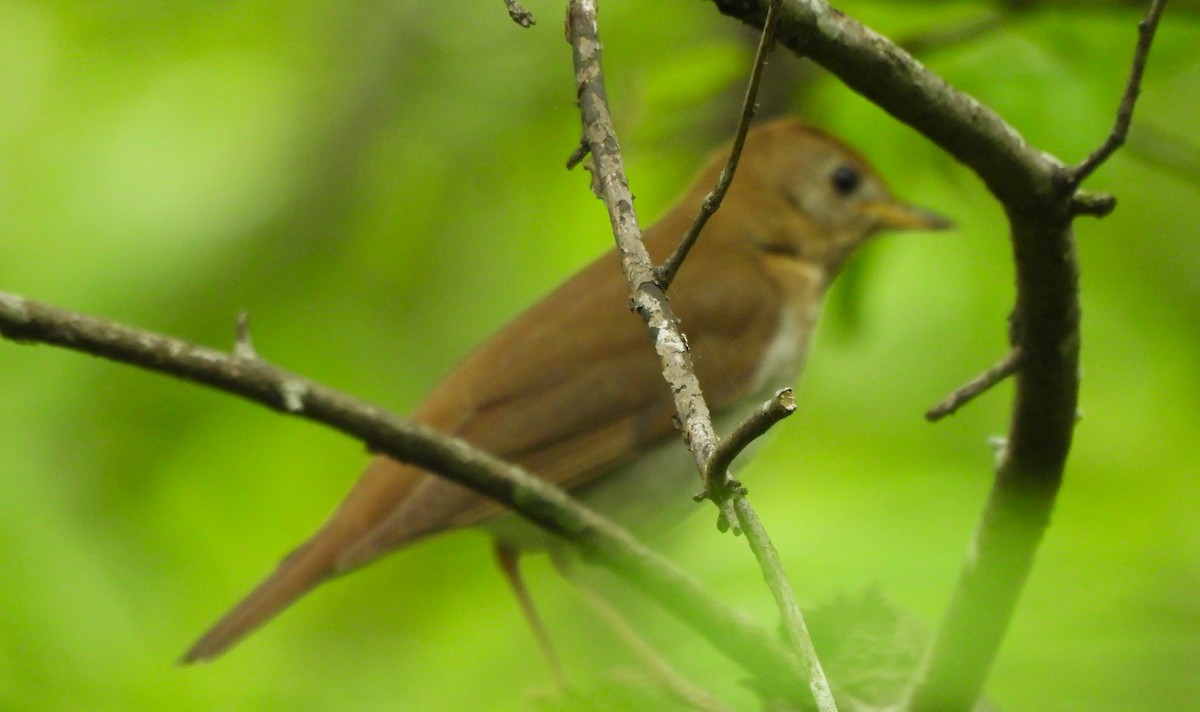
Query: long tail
[[296, 575], [381, 488]]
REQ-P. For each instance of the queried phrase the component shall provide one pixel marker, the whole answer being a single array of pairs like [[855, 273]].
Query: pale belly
[[655, 493]]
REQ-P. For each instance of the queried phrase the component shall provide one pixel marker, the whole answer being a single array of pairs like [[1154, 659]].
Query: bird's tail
[[297, 574], [381, 488]]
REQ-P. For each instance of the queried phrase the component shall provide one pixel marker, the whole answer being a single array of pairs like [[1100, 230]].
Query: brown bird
[[590, 412]]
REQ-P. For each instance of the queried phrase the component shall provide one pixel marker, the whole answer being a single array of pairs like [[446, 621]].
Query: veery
[[572, 390]]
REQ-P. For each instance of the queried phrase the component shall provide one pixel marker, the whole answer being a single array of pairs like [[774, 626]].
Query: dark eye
[[845, 180]]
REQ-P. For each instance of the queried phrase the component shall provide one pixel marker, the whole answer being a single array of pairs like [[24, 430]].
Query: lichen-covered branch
[[610, 184]]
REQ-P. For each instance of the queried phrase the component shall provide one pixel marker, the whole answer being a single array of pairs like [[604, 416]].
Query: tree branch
[[1038, 196], [793, 620], [756, 425], [882, 72], [712, 202], [1116, 138], [611, 185], [978, 386], [26, 321], [1187, 6]]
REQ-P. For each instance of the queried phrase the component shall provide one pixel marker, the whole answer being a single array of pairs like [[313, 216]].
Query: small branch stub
[[581, 152], [981, 384], [780, 406], [1097, 205], [243, 346], [519, 14]]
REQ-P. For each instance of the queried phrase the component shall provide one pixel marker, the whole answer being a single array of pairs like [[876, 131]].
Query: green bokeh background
[[380, 184]]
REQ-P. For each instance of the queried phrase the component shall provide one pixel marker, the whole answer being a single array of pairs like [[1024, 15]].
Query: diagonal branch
[[611, 185], [712, 202], [26, 321], [981, 384], [882, 72], [1116, 138], [756, 425]]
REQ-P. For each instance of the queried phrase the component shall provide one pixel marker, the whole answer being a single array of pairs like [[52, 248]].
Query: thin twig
[[659, 668], [785, 600], [520, 15], [666, 272], [1120, 129], [26, 321], [979, 385], [780, 406], [577, 156]]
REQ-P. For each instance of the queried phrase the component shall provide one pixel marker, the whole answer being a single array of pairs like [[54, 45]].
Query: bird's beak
[[899, 216]]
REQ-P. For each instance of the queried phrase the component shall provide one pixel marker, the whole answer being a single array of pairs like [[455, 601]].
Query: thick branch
[[1037, 193], [1028, 475], [891, 78], [27, 321]]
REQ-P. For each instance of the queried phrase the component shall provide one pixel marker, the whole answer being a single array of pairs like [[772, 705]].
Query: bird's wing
[[540, 393], [549, 402]]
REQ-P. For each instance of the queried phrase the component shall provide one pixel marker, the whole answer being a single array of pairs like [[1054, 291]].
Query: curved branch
[[1038, 192], [881, 71], [26, 321]]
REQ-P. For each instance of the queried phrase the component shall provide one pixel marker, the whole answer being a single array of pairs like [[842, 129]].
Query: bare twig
[[1098, 205], [1120, 129], [979, 385], [611, 185], [577, 156], [26, 321], [660, 669], [666, 272], [780, 406], [793, 620], [520, 15]]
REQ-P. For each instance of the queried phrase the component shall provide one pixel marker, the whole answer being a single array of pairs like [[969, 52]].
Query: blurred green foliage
[[381, 184]]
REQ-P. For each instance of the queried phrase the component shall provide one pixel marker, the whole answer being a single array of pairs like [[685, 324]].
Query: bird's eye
[[845, 180]]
